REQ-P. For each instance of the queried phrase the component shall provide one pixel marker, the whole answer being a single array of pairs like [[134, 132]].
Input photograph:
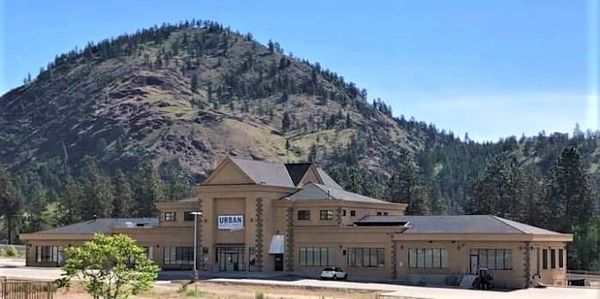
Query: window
[[170, 216], [48, 254], [545, 258], [180, 256], [303, 214], [428, 258], [344, 213], [379, 213], [326, 214], [365, 257], [385, 213], [553, 258], [188, 216], [352, 213], [316, 256], [561, 258], [493, 259]]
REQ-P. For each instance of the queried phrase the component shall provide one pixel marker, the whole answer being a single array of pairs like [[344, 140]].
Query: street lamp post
[[195, 270]]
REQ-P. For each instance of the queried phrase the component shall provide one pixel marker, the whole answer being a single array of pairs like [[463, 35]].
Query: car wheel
[[346, 277], [334, 277]]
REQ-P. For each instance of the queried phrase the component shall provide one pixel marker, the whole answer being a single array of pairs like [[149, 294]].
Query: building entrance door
[[278, 262], [230, 258]]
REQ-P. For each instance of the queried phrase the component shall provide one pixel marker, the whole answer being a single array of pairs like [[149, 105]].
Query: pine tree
[[178, 185], [569, 195], [194, 83], [148, 190], [70, 202], [123, 197], [285, 122], [98, 194], [406, 186], [35, 215], [10, 204]]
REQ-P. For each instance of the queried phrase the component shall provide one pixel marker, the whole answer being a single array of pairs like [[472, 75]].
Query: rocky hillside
[[190, 94], [186, 95]]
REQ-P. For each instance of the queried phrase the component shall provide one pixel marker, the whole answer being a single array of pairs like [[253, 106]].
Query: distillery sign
[[232, 222]]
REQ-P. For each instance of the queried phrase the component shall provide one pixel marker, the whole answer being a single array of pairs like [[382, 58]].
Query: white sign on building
[[230, 222]]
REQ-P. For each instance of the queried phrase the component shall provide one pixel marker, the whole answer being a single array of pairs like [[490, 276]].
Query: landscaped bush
[[11, 251]]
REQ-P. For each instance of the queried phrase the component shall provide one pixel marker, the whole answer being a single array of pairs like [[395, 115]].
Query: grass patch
[[188, 291]]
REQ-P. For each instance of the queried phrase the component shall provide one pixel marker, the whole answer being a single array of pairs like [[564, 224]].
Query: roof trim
[[222, 165]]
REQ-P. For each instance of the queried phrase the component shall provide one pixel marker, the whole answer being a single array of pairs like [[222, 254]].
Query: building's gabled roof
[[456, 224], [327, 180], [101, 225], [312, 191], [297, 171], [265, 173]]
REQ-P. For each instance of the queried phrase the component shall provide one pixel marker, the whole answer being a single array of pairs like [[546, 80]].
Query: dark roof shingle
[[457, 224], [100, 225]]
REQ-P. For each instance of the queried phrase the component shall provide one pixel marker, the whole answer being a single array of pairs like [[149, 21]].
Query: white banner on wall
[[231, 222]]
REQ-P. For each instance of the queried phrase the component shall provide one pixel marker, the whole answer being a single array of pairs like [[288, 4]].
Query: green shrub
[[11, 251], [2, 252], [260, 296]]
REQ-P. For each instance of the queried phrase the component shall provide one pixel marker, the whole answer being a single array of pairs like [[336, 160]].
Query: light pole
[[195, 270]]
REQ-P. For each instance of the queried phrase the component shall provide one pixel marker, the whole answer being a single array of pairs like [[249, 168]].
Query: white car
[[333, 273]]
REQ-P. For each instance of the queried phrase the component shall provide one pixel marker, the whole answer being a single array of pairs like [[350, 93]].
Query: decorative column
[[527, 263], [259, 243], [199, 234], [394, 258], [289, 239]]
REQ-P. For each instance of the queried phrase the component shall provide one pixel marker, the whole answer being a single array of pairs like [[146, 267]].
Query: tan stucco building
[[262, 216]]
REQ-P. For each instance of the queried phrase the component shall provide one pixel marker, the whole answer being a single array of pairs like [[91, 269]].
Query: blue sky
[[489, 68]]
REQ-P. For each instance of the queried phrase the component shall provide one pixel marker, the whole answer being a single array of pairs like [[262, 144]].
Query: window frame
[[326, 215], [365, 257], [304, 213], [428, 258], [352, 213], [491, 258], [552, 258], [178, 256], [315, 256], [167, 218], [545, 259]]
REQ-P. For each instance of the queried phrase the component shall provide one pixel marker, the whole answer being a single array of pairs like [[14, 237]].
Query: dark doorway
[[230, 258], [278, 262]]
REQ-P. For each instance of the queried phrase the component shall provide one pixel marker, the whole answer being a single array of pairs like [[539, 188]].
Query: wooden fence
[[25, 289]]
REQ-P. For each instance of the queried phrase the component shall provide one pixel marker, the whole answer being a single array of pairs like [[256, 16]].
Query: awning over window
[[277, 245]]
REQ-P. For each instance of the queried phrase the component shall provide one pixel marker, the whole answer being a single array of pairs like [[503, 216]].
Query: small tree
[[111, 267]]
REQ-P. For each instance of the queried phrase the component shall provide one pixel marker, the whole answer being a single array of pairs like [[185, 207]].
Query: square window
[[170, 216], [304, 215], [188, 216], [352, 213], [326, 215]]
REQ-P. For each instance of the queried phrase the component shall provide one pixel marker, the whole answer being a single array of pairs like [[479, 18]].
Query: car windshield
[[328, 269]]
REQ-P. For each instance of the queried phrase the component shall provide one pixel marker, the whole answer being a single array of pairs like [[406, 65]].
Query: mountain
[[189, 93], [186, 95]]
